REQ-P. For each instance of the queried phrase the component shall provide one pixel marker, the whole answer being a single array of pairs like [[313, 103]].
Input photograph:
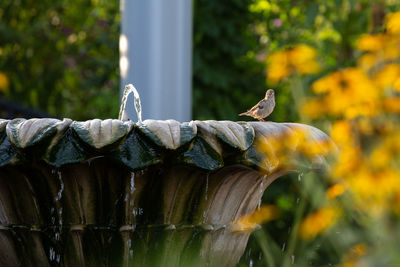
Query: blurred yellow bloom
[[348, 92], [380, 157], [300, 59], [348, 162], [281, 150], [318, 222], [335, 191], [393, 23], [365, 126], [250, 221], [373, 191], [371, 42], [389, 75], [367, 61], [279, 66], [342, 133], [396, 203], [392, 104], [353, 255], [313, 108], [380, 48], [4, 83]]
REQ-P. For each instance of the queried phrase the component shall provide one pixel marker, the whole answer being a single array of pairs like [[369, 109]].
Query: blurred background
[[333, 64]]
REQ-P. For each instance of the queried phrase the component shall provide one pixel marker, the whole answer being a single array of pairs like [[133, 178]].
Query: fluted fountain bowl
[[114, 193]]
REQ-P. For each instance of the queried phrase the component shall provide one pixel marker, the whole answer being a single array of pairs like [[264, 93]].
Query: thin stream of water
[[57, 210], [138, 106]]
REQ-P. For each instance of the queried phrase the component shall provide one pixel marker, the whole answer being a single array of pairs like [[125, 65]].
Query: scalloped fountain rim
[[205, 144]]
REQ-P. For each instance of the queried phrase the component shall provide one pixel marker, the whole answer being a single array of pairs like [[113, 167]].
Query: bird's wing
[[260, 105]]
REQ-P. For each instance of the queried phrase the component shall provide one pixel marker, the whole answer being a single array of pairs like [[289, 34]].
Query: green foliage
[[62, 56], [227, 78], [332, 27]]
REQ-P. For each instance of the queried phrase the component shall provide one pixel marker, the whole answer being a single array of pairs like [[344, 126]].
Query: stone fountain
[[118, 193]]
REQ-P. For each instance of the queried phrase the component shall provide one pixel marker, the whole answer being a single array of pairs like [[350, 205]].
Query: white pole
[[156, 57]]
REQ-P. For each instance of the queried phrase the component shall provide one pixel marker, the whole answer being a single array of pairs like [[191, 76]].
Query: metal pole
[[156, 56]]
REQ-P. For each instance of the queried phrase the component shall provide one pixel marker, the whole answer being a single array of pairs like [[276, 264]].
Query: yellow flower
[[300, 59], [279, 66], [347, 163], [371, 42], [389, 75], [348, 92], [365, 126], [318, 222], [380, 157], [392, 104], [283, 149], [354, 254], [335, 191], [249, 221], [342, 133], [313, 108], [393, 23], [4, 83], [368, 60]]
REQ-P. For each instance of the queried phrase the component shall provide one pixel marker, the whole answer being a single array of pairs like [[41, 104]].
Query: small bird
[[263, 108]]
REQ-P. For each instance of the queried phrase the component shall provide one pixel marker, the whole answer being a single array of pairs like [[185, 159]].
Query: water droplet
[[300, 176], [297, 200], [283, 247], [292, 259], [58, 258], [259, 256], [60, 191], [251, 263], [52, 254]]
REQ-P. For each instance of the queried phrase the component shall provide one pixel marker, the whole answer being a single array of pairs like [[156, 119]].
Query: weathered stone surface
[[170, 134], [101, 133], [26, 133], [203, 144]]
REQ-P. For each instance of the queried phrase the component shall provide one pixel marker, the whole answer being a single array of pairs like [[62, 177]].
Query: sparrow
[[263, 108]]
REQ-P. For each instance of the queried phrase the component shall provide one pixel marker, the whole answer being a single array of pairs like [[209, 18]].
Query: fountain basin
[[114, 193]]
